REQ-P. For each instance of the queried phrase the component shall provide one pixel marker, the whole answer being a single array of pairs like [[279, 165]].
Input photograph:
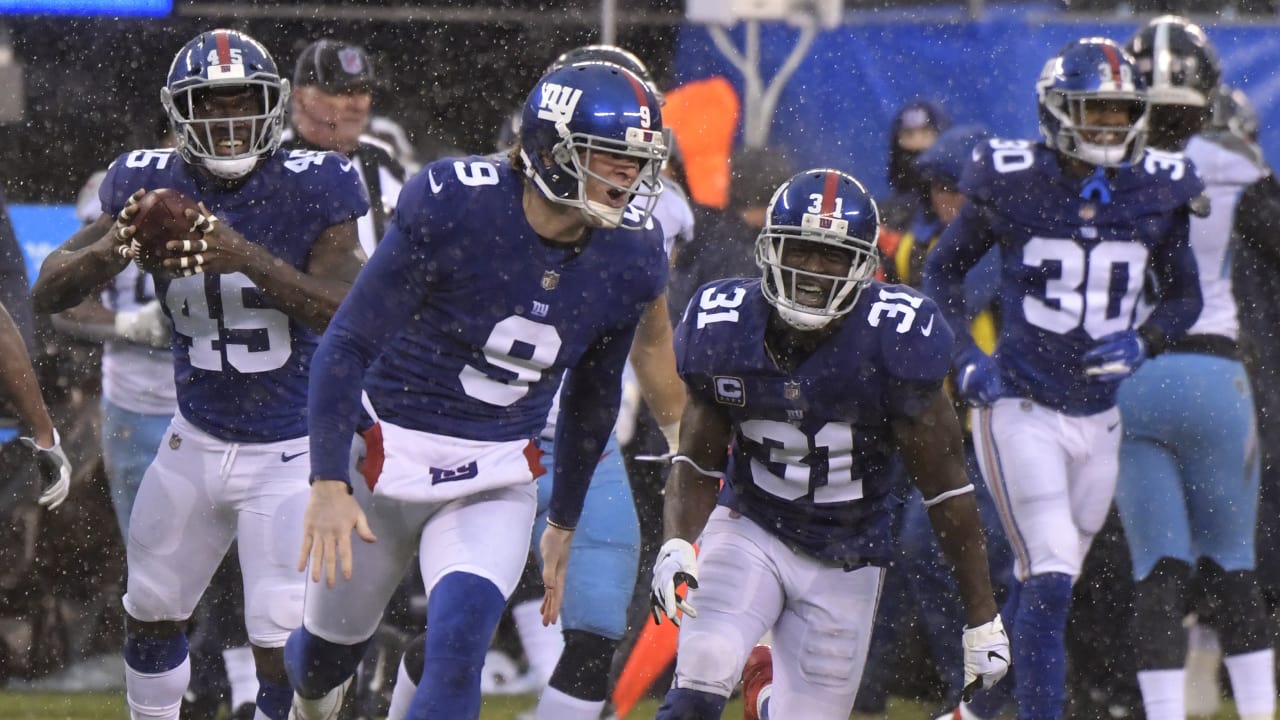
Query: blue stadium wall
[[837, 107]]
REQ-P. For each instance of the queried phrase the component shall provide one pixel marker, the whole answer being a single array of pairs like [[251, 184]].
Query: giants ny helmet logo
[[558, 102]]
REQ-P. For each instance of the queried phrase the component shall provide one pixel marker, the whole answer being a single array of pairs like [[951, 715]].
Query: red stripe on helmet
[[1113, 59], [642, 94], [224, 48], [829, 193]]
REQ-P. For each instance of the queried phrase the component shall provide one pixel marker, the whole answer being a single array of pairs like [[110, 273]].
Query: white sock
[[1204, 656], [401, 694], [1163, 695], [542, 645], [1253, 683], [158, 696], [556, 705], [242, 675]]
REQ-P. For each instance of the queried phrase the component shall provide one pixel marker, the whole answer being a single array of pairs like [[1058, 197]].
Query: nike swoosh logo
[[286, 457], [1111, 428], [928, 329], [435, 186]]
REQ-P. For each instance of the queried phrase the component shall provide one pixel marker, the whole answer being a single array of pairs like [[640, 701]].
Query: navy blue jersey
[[469, 319], [240, 364], [1074, 258], [811, 447]]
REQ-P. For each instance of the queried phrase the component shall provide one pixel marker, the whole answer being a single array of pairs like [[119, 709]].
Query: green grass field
[[110, 706]]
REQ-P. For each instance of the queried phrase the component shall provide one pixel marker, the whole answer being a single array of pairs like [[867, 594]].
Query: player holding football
[[801, 386], [1080, 220], [277, 253], [460, 360], [1189, 467]]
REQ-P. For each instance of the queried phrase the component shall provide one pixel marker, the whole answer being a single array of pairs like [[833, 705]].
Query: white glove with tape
[[677, 563], [986, 656], [146, 326], [55, 471]]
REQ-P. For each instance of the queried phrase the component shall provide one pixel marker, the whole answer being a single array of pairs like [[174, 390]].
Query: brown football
[[160, 219]]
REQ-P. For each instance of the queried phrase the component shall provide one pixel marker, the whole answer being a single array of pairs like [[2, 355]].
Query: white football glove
[[986, 656], [146, 326], [677, 563], [55, 471]]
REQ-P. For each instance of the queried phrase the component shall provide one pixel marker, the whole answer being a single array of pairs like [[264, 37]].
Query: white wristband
[[941, 497], [696, 466]]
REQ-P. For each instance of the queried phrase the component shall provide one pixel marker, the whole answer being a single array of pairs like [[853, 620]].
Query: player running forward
[[801, 386]]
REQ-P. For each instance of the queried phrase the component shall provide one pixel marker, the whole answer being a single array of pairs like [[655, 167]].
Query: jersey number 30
[[1097, 290]]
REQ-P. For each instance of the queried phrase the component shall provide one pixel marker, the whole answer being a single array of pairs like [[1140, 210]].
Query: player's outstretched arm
[[696, 471], [933, 451], [18, 384], [689, 498], [654, 359], [84, 262]]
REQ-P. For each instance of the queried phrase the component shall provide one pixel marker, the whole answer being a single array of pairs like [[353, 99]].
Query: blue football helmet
[[613, 55], [826, 207], [219, 61], [593, 107], [1087, 74]]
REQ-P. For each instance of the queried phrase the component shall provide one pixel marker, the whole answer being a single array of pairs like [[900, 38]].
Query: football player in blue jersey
[[277, 252], [1080, 220], [571, 659], [459, 358], [1189, 461], [800, 387]]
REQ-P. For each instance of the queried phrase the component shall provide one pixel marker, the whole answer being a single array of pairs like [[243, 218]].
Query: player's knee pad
[[274, 610], [1242, 621], [583, 669], [708, 661], [1158, 603], [827, 657], [315, 666], [152, 602]]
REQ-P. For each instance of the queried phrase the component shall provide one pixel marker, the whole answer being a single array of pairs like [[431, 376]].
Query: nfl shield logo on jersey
[[175, 441], [791, 390], [550, 279]]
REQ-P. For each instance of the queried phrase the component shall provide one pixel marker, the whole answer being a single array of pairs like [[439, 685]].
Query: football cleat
[[757, 679]]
